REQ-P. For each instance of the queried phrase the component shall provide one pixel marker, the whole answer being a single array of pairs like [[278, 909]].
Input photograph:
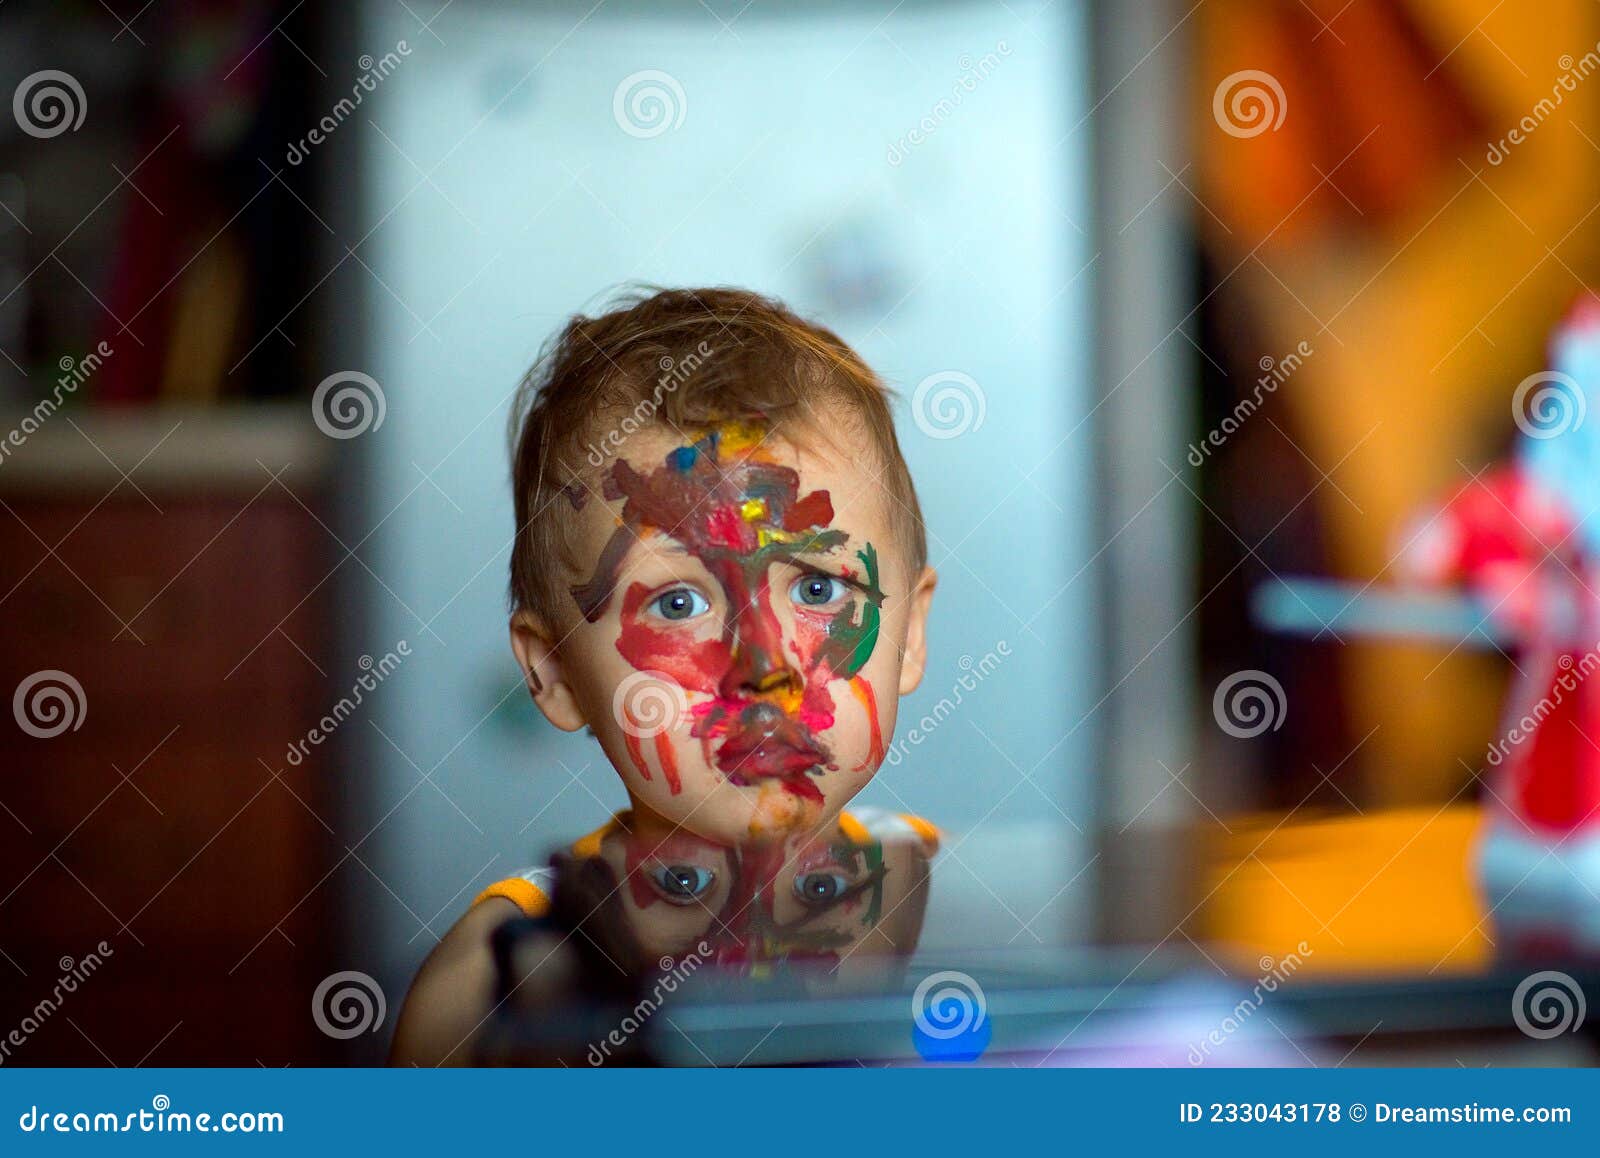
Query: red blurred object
[[1509, 540]]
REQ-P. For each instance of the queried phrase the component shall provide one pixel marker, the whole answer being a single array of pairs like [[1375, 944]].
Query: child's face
[[818, 898], [744, 621]]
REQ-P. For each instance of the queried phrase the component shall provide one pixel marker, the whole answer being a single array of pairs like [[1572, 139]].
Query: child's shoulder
[[872, 825], [530, 890]]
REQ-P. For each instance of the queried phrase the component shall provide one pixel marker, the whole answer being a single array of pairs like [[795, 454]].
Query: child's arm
[[453, 994]]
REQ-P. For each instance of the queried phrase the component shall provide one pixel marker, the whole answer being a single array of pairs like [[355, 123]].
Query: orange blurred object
[[1294, 118], [1387, 892]]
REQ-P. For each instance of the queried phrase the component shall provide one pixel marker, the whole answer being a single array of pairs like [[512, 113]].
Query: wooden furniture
[[169, 561]]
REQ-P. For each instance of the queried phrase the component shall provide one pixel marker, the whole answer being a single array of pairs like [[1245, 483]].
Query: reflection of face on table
[[821, 899]]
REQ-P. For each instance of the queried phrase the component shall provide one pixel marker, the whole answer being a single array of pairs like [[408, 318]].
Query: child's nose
[[760, 672]]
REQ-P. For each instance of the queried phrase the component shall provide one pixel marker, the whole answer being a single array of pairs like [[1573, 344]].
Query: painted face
[[674, 886], [819, 900], [739, 604]]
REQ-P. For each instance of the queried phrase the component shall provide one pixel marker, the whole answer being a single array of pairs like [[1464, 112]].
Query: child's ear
[[915, 660], [535, 650]]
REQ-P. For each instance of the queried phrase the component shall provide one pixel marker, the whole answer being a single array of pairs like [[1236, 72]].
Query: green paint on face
[[852, 642], [871, 854], [877, 873]]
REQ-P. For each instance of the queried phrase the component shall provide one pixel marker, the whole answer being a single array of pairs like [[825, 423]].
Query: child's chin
[[764, 811], [777, 812]]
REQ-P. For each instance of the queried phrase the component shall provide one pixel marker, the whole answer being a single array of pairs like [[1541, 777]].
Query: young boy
[[721, 572]]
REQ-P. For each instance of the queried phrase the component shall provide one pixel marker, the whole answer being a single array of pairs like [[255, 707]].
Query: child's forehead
[[740, 462]]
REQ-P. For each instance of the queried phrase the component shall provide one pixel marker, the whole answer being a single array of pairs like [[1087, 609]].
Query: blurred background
[[270, 272]]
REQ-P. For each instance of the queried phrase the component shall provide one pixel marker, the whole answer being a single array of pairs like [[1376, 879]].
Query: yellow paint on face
[[753, 510], [735, 438]]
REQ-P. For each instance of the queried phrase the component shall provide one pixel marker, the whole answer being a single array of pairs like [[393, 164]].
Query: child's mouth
[[766, 744], [755, 755]]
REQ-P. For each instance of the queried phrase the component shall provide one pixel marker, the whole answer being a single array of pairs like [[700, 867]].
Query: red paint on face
[[746, 663], [745, 667], [754, 635], [815, 510], [640, 857], [737, 939], [649, 645], [635, 753], [669, 762], [869, 700]]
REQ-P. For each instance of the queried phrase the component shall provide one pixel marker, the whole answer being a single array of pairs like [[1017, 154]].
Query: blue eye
[[682, 884], [819, 888], [680, 603], [817, 590]]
